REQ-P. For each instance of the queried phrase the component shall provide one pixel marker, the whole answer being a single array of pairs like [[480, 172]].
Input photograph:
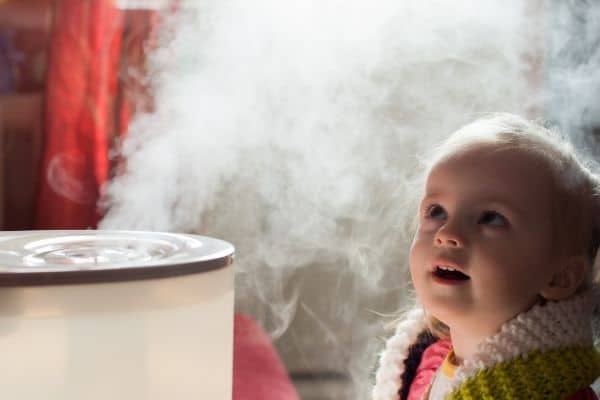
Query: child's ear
[[566, 280]]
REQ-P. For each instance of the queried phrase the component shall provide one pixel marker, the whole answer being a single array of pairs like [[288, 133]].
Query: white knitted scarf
[[543, 327]]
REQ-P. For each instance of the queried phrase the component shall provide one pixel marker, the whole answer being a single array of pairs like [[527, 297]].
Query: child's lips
[[449, 277]]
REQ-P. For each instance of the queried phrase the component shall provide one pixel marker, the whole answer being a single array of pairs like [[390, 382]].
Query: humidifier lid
[[92, 256]]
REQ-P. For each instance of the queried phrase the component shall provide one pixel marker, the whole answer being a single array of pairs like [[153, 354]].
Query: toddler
[[502, 263]]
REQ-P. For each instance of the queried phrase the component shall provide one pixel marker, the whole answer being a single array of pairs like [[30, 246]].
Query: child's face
[[487, 214]]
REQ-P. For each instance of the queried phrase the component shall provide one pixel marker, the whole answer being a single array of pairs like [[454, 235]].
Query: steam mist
[[290, 129]]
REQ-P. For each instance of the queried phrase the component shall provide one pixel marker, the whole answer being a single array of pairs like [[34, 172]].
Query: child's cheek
[[418, 252]]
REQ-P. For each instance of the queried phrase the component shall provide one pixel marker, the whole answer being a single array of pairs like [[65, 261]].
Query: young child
[[502, 265]]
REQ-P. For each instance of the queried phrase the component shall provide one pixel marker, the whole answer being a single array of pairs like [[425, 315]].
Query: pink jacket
[[433, 357]]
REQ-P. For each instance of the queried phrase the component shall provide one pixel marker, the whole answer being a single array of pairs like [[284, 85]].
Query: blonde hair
[[576, 206]]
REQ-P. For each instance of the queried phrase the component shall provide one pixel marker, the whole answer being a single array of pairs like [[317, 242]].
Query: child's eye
[[435, 211], [493, 218]]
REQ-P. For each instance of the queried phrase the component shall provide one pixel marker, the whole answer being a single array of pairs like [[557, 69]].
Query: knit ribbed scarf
[[546, 352], [554, 374]]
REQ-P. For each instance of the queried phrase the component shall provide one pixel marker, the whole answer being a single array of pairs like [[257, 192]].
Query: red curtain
[[81, 88]]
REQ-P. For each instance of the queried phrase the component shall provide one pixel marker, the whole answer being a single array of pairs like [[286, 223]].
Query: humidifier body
[[115, 315]]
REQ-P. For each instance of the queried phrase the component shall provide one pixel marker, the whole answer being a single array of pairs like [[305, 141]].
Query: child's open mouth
[[450, 274]]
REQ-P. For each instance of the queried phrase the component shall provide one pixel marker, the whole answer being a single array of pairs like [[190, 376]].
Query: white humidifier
[[116, 315]]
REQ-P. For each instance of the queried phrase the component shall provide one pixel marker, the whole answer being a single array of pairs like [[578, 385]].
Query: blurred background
[[291, 129]]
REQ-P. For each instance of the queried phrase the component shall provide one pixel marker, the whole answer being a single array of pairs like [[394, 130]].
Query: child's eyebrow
[[504, 203], [429, 196]]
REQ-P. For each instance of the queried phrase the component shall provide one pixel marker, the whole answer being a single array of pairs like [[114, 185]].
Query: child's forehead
[[492, 170], [490, 156]]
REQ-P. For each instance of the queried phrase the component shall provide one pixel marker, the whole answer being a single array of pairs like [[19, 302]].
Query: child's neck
[[464, 344]]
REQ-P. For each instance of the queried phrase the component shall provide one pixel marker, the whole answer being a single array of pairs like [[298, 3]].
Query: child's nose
[[449, 236]]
